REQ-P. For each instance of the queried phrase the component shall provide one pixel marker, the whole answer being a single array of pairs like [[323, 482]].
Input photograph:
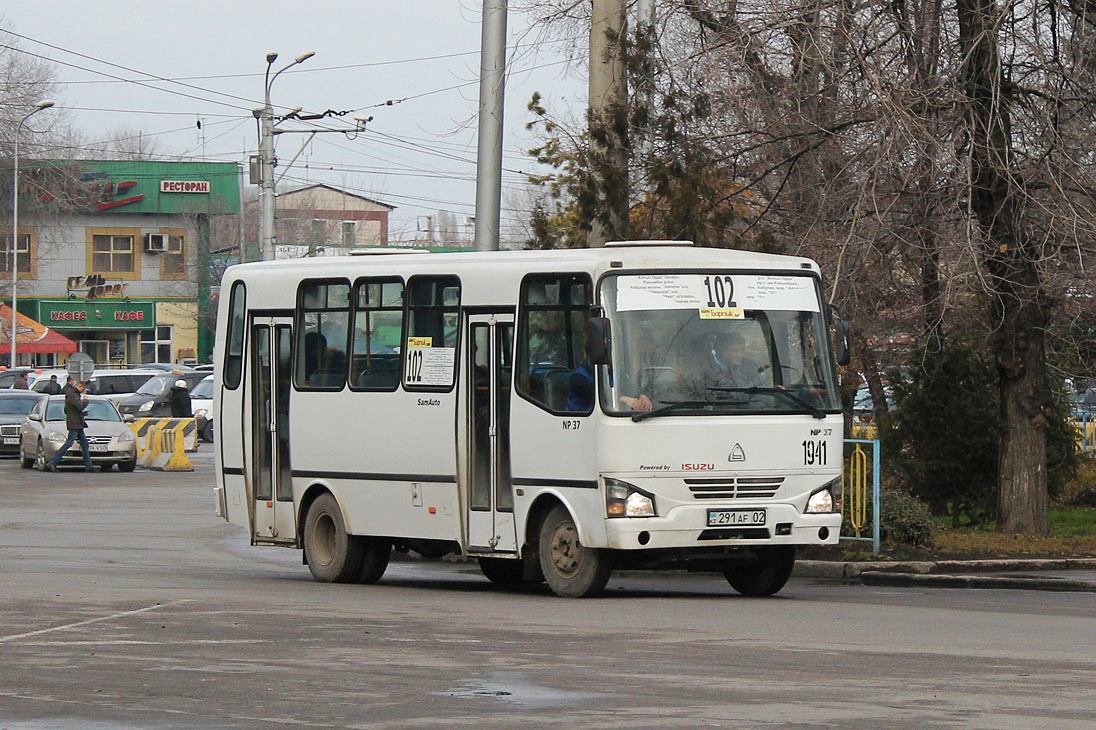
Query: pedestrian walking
[[179, 397], [75, 403], [52, 387]]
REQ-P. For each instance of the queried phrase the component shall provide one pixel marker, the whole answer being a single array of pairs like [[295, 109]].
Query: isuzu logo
[[697, 467]]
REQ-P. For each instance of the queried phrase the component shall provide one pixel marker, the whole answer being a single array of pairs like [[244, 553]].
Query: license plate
[[11, 440], [99, 447], [735, 517]]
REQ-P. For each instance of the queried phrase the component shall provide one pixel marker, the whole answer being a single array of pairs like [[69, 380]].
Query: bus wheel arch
[[332, 554], [570, 569]]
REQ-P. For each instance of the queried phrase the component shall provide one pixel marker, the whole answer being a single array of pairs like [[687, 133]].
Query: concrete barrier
[[166, 451], [142, 426]]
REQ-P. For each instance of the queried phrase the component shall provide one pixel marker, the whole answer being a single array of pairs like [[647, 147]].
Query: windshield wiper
[[675, 405], [757, 390]]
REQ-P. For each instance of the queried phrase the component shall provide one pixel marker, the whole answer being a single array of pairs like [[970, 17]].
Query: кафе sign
[[97, 314]]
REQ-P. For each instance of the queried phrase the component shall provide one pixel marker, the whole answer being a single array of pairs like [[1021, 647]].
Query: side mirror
[[128, 418], [840, 334], [35, 416], [599, 340]]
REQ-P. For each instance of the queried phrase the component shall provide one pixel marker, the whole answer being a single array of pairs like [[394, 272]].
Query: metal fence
[[861, 472]]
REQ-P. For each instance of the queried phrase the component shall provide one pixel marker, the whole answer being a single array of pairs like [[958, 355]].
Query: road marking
[[66, 627]]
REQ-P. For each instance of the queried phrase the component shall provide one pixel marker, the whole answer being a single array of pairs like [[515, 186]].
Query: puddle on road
[[519, 690]]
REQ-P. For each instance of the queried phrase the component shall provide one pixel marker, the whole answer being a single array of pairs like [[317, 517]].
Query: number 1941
[[814, 452]]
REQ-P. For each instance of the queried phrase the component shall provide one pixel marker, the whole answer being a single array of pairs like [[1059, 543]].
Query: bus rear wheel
[[375, 556], [333, 556], [766, 574], [570, 569]]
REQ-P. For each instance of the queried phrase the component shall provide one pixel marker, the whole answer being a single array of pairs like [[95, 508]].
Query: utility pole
[[489, 146], [266, 156], [607, 121]]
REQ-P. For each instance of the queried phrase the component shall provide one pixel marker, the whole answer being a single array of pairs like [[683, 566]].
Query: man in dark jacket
[[75, 403], [179, 397], [52, 387]]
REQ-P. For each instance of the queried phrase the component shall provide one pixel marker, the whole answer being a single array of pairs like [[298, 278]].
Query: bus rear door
[[489, 374], [270, 384]]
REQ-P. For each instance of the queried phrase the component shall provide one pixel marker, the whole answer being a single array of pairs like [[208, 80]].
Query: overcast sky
[[417, 154]]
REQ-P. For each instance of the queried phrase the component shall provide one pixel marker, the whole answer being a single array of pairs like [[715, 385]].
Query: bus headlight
[[823, 501], [627, 500]]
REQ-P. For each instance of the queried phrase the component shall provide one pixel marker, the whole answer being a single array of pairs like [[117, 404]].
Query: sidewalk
[[1057, 574]]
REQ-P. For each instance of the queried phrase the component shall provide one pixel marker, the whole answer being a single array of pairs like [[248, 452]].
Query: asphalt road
[[126, 603]]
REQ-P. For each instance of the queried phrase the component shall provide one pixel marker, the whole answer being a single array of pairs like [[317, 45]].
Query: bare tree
[[937, 161]]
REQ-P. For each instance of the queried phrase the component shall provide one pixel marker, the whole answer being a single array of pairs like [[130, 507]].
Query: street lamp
[[44, 104], [266, 154]]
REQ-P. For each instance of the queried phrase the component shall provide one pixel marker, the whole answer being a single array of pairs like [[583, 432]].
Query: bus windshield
[[717, 342]]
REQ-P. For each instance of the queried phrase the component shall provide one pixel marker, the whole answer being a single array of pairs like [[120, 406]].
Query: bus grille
[[734, 487]]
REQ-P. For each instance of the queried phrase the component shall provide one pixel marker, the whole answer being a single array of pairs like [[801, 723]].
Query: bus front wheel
[[332, 555], [570, 569], [765, 574]]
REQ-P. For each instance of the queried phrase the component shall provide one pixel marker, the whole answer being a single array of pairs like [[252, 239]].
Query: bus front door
[[271, 374], [488, 377]]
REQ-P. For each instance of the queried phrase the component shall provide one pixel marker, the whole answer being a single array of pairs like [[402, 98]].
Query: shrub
[[905, 519], [943, 432]]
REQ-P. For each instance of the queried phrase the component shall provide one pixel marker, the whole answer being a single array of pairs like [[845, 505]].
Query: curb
[[1020, 582], [955, 573]]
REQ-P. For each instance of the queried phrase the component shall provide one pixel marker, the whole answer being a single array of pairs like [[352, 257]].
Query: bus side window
[[551, 337], [323, 328], [234, 348], [375, 334], [433, 311]]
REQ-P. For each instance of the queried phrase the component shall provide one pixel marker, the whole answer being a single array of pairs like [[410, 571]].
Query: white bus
[[556, 415]]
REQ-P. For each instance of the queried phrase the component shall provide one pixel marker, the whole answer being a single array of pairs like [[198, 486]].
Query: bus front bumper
[[688, 527]]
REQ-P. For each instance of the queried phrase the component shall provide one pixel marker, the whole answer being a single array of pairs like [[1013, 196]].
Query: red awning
[[30, 336]]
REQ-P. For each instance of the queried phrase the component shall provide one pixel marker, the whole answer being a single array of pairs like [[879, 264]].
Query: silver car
[[110, 439]]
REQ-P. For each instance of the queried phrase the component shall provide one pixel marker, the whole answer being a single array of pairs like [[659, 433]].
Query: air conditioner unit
[[156, 242]]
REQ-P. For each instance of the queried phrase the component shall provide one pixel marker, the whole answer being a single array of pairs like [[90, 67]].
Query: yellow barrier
[[150, 451], [142, 428], [855, 502], [165, 450]]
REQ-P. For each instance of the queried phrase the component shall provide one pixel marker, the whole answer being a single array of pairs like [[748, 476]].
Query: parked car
[[118, 383], [201, 403], [110, 438], [8, 376], [40, 378], [151, 399], [14, 407]]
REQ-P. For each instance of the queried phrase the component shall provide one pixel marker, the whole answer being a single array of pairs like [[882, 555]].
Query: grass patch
[[1072, 534]]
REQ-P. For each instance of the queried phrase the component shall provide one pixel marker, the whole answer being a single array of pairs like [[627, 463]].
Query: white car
[[110, 439], [201, 405]]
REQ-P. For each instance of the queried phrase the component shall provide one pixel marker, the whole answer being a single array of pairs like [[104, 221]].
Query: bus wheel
[[571, 570], [765, 574], [375, 555], [332, 555], [504, 571]]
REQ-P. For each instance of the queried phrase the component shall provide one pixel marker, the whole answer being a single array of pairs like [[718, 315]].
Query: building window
[[22, 253], [173, 260], [156, 344], [112, 254]]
